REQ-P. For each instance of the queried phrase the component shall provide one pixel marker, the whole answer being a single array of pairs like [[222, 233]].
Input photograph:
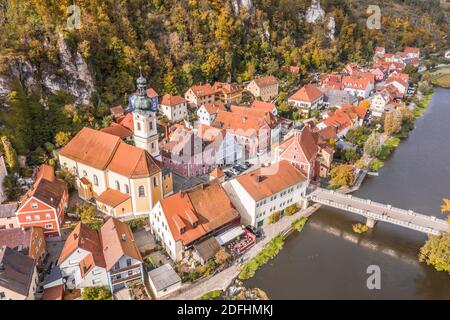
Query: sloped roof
[[112, 197], [91, 147], [263, 106], [169, 100], [308, 93], [118, 241], [305, 141], [226, 88], [261, 186], [133, 162], [17, 272], [203, 90], [15, 237], [206, 205], [8, 210], [118, 130], [266, 81], [213, 108], [83, 237]]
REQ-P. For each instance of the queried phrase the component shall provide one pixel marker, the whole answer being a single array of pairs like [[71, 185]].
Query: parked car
[[241, 167], [248, 164], [228, 174], [238, 168], [254, 230], [234, 171]]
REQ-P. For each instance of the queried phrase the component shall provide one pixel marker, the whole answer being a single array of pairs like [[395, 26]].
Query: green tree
[[12, 188], [351, 156], [96, 293], [10, 155]]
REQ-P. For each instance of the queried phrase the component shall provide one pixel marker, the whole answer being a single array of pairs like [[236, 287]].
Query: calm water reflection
[[328, 260]]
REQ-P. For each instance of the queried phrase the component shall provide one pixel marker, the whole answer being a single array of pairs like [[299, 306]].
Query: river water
[[327, 260]]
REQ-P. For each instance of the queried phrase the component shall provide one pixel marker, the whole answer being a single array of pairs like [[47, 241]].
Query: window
[[2, 295], [84, 173], [37, 217], [130, 273], [141, 191], [155, 181], [128, 262], [34, 205], [127, 189], [117, 266], [95, 180], [139, 126], [47, 216], [28, 218], [117, 185], [48, 226]]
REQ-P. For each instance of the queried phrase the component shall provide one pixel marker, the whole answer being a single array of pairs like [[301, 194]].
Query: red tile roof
[[118, 130], [260, 185], [112, 197], [203, 90], [263, 106], [266, 81], [169, 100], [308, 93]]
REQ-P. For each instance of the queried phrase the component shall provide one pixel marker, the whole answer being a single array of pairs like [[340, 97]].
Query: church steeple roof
[[140, 101]]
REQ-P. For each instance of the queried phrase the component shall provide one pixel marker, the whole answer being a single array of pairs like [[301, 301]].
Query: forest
[[183, 42]]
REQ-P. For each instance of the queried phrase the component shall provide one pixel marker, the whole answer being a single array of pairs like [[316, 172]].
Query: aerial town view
[[224, 150]]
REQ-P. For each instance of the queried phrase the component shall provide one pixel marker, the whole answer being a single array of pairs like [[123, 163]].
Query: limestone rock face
[[73, 76], [331, 26], [239, 4], [315, 12]]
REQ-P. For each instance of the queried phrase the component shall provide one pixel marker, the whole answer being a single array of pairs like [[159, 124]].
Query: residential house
[[18, 275], [306, 151], [117, 112], [412, 52], [164, 280], [380, 102], [105, 257], [358, 86], [8, 218], [265, 88], [267, 191], [188, 217], [200, 95], [125, 181], [307, 98], [45, 203], [379, 73], [28, 241], [228, 93], [173, 107], [207, 113], [399, 83], [346, 118]]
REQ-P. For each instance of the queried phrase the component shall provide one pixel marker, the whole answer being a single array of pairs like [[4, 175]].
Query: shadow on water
[[329, 261]]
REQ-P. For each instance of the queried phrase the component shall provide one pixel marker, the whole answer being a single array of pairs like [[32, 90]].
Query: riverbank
[[442, 81], [222, 280]]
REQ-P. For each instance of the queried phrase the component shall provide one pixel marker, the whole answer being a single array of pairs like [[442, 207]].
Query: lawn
[[443, 81]]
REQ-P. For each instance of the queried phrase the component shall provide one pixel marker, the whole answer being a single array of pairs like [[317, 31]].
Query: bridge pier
[[371, 222]]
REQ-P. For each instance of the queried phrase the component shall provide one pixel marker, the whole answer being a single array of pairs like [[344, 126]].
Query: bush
[[299, 223], [96, 293], [274, 217], [269, 252], [136, 223], [292, 209], [360, 228], [211, 295], [376, 165]]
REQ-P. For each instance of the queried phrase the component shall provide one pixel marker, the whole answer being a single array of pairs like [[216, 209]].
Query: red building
[[44, 204]]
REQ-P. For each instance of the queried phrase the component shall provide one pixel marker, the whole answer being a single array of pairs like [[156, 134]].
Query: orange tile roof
[[91, 147], [261, 186], [82, 237], [355, 82], [214, 107], [248, 125], [226, 88], [261, 115], [308, 93], [133, 162], [266, 81], [117, 111], [169, 100], [112, 197], [117, 241], [203, 90], [305, 140], [262, 106], [128, 122], [207, 206], [118, 130], [151, 93], [54, 293]]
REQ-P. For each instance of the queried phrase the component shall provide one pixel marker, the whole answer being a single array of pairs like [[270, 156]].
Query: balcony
[[125, 279], [133, 266]]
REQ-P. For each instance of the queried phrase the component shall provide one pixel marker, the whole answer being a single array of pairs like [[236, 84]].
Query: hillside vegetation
[[181, 42]]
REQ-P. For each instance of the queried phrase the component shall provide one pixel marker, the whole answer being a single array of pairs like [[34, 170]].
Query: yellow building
[[124, 181]]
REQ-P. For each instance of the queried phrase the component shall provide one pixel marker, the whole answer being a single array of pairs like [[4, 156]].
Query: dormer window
[[34, 205]]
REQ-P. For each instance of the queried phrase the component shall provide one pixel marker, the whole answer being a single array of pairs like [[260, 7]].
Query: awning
[[229, 235]]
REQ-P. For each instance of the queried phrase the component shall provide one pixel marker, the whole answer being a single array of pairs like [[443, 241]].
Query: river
[[327, 260]]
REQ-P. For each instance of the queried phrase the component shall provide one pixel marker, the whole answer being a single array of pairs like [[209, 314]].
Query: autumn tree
[[393, 122], [86, 212], [62, 138], [10, 155], [372, 146], [342, 175], [96, 293]]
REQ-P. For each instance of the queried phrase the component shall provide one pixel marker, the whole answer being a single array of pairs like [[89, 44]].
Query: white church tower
[[144, 119]]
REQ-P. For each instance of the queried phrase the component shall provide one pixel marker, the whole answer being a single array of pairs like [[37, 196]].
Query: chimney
[[259, 178], [124, 237]]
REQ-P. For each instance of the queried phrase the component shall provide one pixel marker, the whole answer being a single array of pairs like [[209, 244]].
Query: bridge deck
[[379, 211]]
